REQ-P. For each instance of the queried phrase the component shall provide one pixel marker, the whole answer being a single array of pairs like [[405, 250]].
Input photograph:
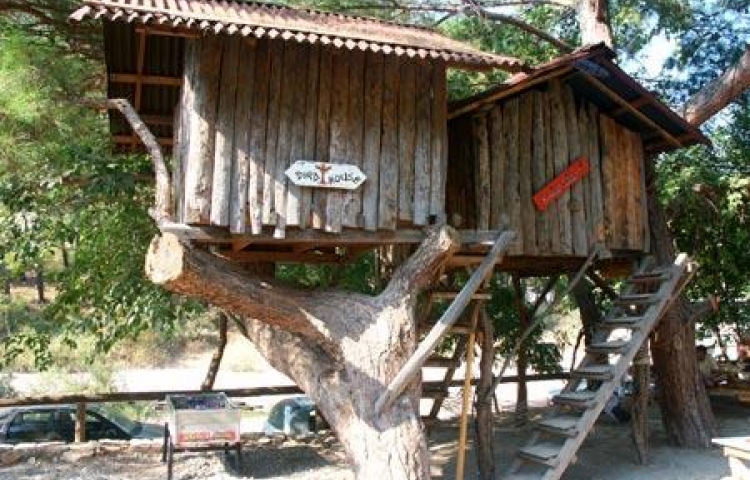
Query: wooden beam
[[441, 328], [140, 61], [628, 107], [360, 238], [466, 394], [164, 120], [637, 103], [511, 90], [232, 393], [80, 427], [145, 79], [286, 257]]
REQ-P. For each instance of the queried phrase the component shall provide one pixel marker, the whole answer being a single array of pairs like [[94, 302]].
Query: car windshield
[[119, 419]]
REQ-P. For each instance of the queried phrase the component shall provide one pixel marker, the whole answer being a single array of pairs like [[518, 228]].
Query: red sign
[[560, 184]]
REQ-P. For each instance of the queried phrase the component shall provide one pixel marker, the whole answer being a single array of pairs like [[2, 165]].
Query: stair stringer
[[679, 274]]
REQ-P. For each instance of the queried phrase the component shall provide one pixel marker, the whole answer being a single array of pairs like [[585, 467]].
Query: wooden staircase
[[556, 439]]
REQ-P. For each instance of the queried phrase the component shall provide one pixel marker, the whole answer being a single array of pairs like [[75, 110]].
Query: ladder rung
[[565, 425], [441, 362], [448, 295], [628, 321], [575, 399], [611, 347], [637, 299], [544, 453], [594, 372]]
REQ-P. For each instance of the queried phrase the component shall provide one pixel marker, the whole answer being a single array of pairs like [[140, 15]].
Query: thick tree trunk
[[686, 411], [484, 420], [593, 20], [341, 348]]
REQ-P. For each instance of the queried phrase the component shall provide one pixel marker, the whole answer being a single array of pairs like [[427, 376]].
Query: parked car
[[46, 423]]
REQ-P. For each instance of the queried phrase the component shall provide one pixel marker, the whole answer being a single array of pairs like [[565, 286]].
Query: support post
[[80, 432], [466, 397], [639, 417], [425, 349]]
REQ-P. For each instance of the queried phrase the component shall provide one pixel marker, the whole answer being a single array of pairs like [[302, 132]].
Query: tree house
[[296, 131], [288, 126], [561, 153]]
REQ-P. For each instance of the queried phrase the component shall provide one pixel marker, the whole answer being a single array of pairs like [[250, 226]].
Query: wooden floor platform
[[306, 246]]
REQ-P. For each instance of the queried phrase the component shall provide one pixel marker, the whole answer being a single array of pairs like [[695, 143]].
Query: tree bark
[[341, 348], [593, 20], [712, 98], [685, 409]]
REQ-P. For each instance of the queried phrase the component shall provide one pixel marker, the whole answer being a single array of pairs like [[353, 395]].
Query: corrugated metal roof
[[592, 73], [273, 21]]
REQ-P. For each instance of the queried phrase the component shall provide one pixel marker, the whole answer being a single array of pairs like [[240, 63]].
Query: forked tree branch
[[719, 93], [162, 211]]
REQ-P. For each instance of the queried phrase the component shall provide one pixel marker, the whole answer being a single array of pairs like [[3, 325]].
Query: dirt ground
[[606, 454]]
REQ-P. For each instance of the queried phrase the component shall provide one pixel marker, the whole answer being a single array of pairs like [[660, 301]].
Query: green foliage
[[707, 197], [543, 357], [61, 188], [358, 276]]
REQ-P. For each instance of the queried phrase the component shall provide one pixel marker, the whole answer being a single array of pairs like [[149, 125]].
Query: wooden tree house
[[240, 92], [297, 135], [561, 152]]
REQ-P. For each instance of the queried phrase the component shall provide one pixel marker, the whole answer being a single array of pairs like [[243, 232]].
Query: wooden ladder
[[465, 330], [644, 298]]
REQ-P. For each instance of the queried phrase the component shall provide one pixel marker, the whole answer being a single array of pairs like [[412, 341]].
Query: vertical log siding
[[501, 156], [251, 108]]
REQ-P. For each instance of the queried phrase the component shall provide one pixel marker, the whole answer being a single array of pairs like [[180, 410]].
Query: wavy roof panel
[[263, 20]]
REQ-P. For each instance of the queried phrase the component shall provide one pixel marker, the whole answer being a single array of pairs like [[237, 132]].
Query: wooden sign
[[560, 184], [325, 175]]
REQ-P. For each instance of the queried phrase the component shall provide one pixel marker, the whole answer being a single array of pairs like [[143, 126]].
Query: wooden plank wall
[[518, 145], [257, 106]]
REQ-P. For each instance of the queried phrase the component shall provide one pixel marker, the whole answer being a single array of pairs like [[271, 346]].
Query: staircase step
[[649, 277], [610, 347], [637, 299], [440, 362], [627, 321], [575, 399], [565, 425], [594, 372], [544, 453]]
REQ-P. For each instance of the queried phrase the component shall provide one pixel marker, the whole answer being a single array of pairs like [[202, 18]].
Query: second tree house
[[560, 153]]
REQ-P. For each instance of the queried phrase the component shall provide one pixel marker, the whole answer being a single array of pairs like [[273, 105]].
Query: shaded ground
[[606, 454]]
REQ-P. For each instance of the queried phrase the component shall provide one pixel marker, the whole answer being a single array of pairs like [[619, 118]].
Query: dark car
[[57, 423]]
